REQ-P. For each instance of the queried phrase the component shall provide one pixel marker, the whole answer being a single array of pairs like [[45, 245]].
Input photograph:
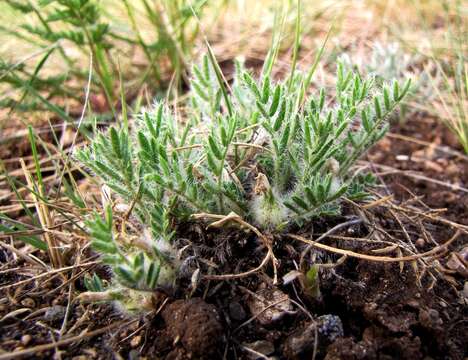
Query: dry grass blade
[[45, 220], [325, 235], [336, 250]]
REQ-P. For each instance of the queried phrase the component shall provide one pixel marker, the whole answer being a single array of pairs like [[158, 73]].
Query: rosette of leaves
[[264, 149]]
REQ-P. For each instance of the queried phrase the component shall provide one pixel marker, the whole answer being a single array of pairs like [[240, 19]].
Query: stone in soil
[[328, 328], [269, 305]]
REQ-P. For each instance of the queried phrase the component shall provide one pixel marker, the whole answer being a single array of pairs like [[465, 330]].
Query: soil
[[365, 310], [436, 161]]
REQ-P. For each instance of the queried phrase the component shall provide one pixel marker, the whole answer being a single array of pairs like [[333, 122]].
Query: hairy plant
[[390, 61], [265, 150]]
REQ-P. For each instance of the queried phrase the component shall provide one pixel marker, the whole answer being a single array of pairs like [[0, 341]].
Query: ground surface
[[356, 309], [366, 310]]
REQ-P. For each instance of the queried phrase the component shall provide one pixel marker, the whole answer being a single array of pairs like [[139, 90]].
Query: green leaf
[[152, 275], [125, 274], [280, 117], [214, 148], [377, 108], [405, 89], [322, 100], [396, 91], [341, 191], [307, 134], [104, 247], [212, 163], [310, 196], [285, 139], [252, 86], [365, 121], [200, 92], [275, 100], [386, 97], [300, 202], [262, 110], [115, 141], [266, 89]]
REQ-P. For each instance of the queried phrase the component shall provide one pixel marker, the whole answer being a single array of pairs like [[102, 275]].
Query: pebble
[[328, 328], [269, 305], [55, 313], [135, 341], [28, 302], [56, 301], [420, 243], [26, 339]]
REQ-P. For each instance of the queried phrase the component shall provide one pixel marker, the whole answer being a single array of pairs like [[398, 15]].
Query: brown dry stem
[[222, 220]]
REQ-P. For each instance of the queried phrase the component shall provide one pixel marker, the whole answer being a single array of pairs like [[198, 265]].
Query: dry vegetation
[[385, 277]]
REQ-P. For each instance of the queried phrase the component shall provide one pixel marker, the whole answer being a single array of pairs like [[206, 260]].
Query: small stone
[[413, 303], [301, 342], [236, 311], [464, 253], [402, 157], [420, 243], [28, 302], [435, 317], [454, 263], [135, 341], [269, 305], [55, 313], [56, 301], [430, 318], [26, 339], [329, 327]]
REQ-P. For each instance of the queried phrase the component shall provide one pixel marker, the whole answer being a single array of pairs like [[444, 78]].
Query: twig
[[323, 236], [375, 258], [222, 219], [240, 275]]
